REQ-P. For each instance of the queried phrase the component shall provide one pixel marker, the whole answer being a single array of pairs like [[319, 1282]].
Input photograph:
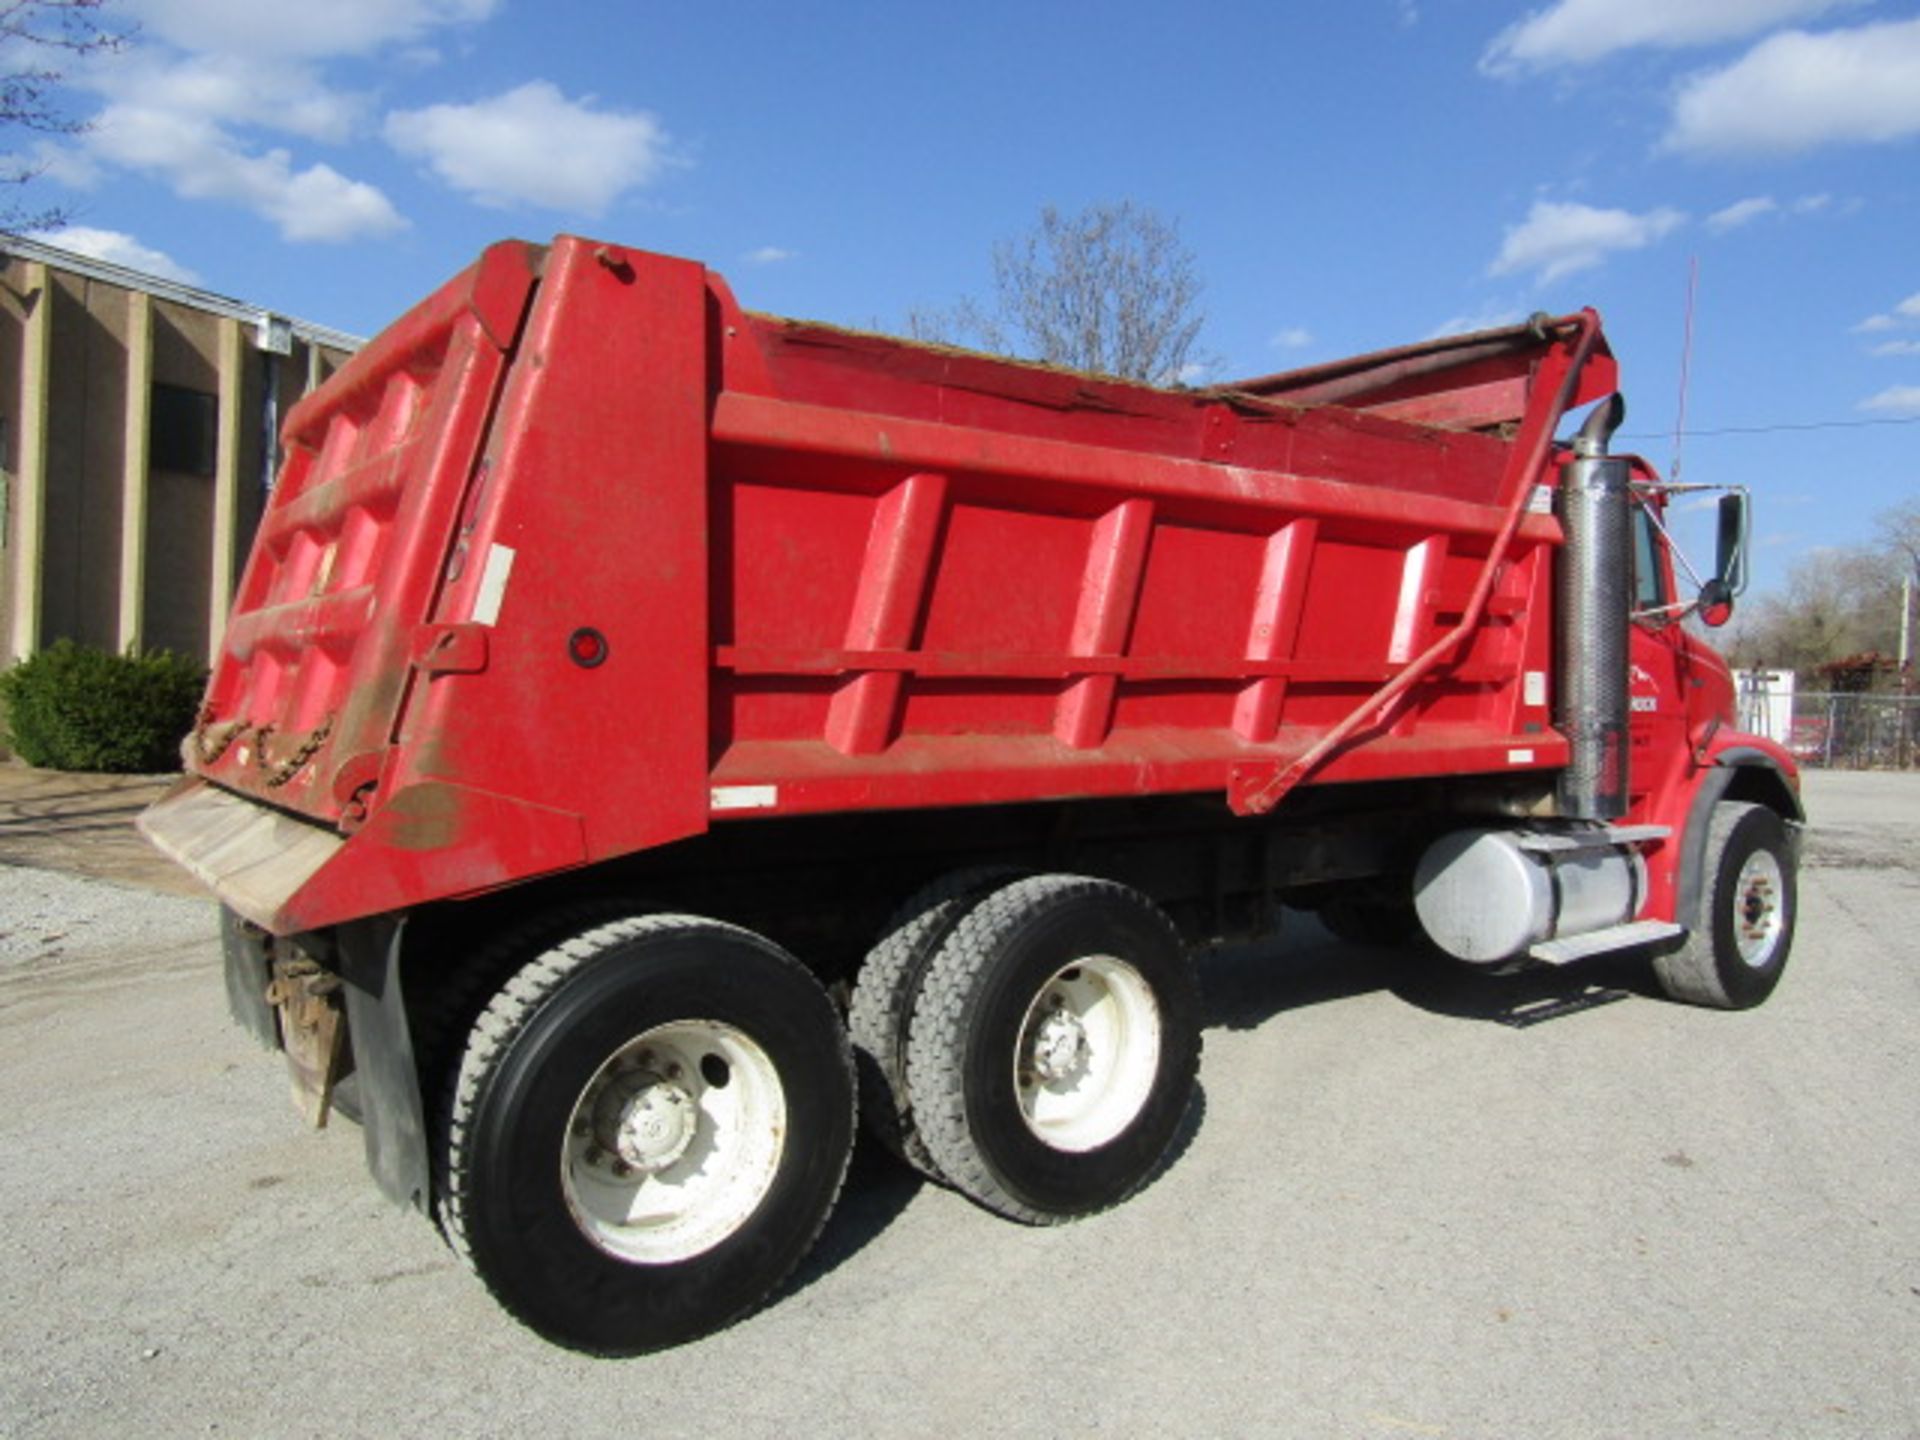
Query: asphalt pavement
[[1414, 1202]]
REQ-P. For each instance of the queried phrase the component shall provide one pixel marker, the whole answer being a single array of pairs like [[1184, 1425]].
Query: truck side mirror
[[1730, 560], [1715, 606]]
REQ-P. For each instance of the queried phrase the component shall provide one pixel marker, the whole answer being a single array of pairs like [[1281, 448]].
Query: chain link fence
[[1855, 732]]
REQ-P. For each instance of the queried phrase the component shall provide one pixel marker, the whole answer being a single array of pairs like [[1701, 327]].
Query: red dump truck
[[648, 731]]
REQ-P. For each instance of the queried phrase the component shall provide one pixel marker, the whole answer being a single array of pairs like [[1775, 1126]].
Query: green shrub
[[71, 707]]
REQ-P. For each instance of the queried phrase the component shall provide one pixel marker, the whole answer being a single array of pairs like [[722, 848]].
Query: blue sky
[[1348, 176]]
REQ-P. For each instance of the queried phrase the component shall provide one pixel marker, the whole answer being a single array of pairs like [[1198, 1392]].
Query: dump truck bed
[[579, 558]]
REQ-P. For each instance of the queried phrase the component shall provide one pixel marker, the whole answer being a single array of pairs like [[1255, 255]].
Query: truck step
[[1599, 942], [1592, 839]]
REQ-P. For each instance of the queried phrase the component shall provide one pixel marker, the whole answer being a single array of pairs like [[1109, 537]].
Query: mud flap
[[392, 1118], [248, 952]]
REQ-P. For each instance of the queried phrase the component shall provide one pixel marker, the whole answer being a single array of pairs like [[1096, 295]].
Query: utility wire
[[1771, 429]]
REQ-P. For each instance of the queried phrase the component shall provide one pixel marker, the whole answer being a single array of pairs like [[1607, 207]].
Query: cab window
[[1649, 575]]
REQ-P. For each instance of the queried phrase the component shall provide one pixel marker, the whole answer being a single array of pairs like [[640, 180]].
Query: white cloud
[[1560, 238], [1896, 400], [1795, 91], [229, 90], [319, 203], [68, 165], [1741, 212], [314, 30], [1744, 212], [197, 103], [534, 146], [1896, 347], [1489, 317], [1294, 337], [201, 161], [116, 248], [1578, 32], [1907, 312], [767, 255]]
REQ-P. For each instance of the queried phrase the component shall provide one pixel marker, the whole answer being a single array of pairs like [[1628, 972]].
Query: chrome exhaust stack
[[1594, 594], [1557, 892]]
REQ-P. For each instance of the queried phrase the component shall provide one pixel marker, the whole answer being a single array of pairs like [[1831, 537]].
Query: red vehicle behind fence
[[639, 716]]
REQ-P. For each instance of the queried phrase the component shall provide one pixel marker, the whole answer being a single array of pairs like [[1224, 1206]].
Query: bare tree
[[1835, 602], [1111, 289], [1900, 536], [39, 41]]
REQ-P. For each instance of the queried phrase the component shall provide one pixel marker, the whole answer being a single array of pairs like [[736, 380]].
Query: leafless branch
[[1111, 289], [39, 39]]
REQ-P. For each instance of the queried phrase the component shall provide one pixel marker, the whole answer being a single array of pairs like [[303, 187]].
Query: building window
[[183, 430]]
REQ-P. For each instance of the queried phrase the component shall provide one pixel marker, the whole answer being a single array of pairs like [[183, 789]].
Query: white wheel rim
[[1758, 909], [674, 1142], [1088, 1052]]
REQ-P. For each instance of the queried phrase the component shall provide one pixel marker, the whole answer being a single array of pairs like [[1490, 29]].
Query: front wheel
[[1737, 946], [1054, 1047], [649, 1128]]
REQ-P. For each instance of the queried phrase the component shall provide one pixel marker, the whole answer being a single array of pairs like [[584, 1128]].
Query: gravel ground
[[1405, 1208]]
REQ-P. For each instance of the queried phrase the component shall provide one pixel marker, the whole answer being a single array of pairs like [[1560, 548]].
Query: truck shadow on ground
[[1248, 985], [880, 1187]]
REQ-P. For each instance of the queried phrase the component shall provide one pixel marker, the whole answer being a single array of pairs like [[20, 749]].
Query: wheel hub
[[674, 1142], [1087, 1053], [1757, 916], [647, 1123], [1059, 1046]]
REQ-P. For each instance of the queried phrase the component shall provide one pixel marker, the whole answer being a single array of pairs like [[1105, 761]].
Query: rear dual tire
[[648, 1129], [880, 1016], [1053, 1048]]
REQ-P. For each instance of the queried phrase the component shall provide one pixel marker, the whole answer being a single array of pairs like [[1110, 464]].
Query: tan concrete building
[[139, 423]]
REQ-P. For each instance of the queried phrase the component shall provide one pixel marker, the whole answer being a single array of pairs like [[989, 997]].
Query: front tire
[[1054, 1048], [1737, 946], [649, 1128]]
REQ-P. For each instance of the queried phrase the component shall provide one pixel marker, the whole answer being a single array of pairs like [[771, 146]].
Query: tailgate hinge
[[451, 649]]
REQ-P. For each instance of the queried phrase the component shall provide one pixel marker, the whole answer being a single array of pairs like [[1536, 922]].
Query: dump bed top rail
[[1477, 380]]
